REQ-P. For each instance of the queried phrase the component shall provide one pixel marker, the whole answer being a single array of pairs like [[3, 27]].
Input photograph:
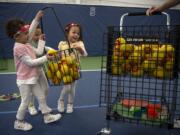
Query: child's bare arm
[[34, 24], [36, 62], [41, 45], [80, 47], [33, 62]]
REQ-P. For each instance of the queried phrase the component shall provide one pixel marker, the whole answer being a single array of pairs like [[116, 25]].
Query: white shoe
[[69, 108], [61, 106], [32, 110], [49, 118], [21, 125]]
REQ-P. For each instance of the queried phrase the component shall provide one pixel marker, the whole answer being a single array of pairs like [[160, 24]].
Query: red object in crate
[[140, 103], [153, 110], [134, 102], [152, 113], [154, 106]]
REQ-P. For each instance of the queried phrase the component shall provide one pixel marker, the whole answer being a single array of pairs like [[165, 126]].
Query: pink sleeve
[[20, 51]]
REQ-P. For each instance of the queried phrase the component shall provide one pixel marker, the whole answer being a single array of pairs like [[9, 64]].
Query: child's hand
[[39, 15], [79, 49], [42, 37], [74, 45]]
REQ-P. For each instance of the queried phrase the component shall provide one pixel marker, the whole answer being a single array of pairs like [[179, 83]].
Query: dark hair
[[70, 25], [13, 25]]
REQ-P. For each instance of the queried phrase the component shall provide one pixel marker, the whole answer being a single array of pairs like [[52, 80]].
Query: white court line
[[76, 107]]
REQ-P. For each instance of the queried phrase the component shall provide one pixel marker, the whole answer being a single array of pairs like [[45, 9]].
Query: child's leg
[[43, 84], [31, 100], [25, 91], [31, 107], [39, 93], [64, 91], [71, 96]]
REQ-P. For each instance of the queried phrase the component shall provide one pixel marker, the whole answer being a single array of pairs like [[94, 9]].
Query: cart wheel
[[104, 131]]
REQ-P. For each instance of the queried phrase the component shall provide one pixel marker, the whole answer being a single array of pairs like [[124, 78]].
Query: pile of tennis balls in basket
[[155, 60], [64, 68]]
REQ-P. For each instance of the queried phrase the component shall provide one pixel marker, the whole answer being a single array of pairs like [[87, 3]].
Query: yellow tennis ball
[[49, 74], [64, 69], [67, 79], [55, 66], [58, 74], [52, 52]]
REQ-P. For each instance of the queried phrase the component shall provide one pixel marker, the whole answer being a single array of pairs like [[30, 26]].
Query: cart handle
[[141, 14]]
